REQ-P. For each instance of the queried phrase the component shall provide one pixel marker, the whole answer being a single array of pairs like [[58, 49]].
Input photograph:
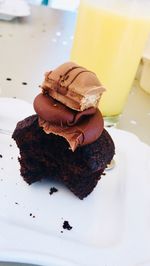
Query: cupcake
[[66, 140]]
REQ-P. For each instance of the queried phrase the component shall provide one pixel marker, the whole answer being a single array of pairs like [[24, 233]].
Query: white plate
[[111, 227], [10, 9]]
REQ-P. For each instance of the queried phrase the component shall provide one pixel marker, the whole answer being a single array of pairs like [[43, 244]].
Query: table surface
[[30, 46]]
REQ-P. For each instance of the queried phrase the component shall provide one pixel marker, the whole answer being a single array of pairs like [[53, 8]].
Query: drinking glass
[[109, 39], [13, 110]]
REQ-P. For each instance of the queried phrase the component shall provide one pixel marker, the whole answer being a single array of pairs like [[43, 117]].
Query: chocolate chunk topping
[[74, 86]]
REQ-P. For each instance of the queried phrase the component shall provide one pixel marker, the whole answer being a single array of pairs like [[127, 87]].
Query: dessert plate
[[9, 9], [110, 227]]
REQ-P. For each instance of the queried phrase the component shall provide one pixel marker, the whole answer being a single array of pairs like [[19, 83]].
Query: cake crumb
[[1, 156], [16, 203], [61, 231], [33, 216], [66, 225], [53, 190], [103, 173]]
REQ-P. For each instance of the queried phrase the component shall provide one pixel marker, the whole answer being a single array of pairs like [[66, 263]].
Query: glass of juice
[[109, 39]]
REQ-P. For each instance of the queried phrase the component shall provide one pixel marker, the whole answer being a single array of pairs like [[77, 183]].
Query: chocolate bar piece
[[74, 86]]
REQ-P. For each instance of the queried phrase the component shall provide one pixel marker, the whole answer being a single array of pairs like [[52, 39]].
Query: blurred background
[[143, 72], [60, 4]]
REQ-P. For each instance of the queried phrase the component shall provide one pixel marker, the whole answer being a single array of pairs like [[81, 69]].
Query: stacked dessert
[[66, 139]]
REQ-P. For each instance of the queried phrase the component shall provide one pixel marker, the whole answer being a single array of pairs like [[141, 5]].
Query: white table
[[30, 46]]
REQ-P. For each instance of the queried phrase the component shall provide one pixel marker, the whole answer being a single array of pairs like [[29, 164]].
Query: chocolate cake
[[66, 139]]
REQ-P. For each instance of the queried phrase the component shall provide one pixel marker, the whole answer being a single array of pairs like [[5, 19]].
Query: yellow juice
[[110, 44]]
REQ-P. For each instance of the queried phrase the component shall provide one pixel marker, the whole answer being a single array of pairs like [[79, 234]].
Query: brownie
[[49, 156]]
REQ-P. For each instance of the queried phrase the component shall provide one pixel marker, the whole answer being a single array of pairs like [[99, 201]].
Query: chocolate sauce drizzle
[[77, 76], [65, 76]]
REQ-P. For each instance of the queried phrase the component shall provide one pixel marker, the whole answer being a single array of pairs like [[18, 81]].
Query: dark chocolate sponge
[[48, 156]]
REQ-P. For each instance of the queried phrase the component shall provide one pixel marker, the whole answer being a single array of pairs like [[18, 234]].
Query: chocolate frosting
[[57, 113], [78, 128]]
